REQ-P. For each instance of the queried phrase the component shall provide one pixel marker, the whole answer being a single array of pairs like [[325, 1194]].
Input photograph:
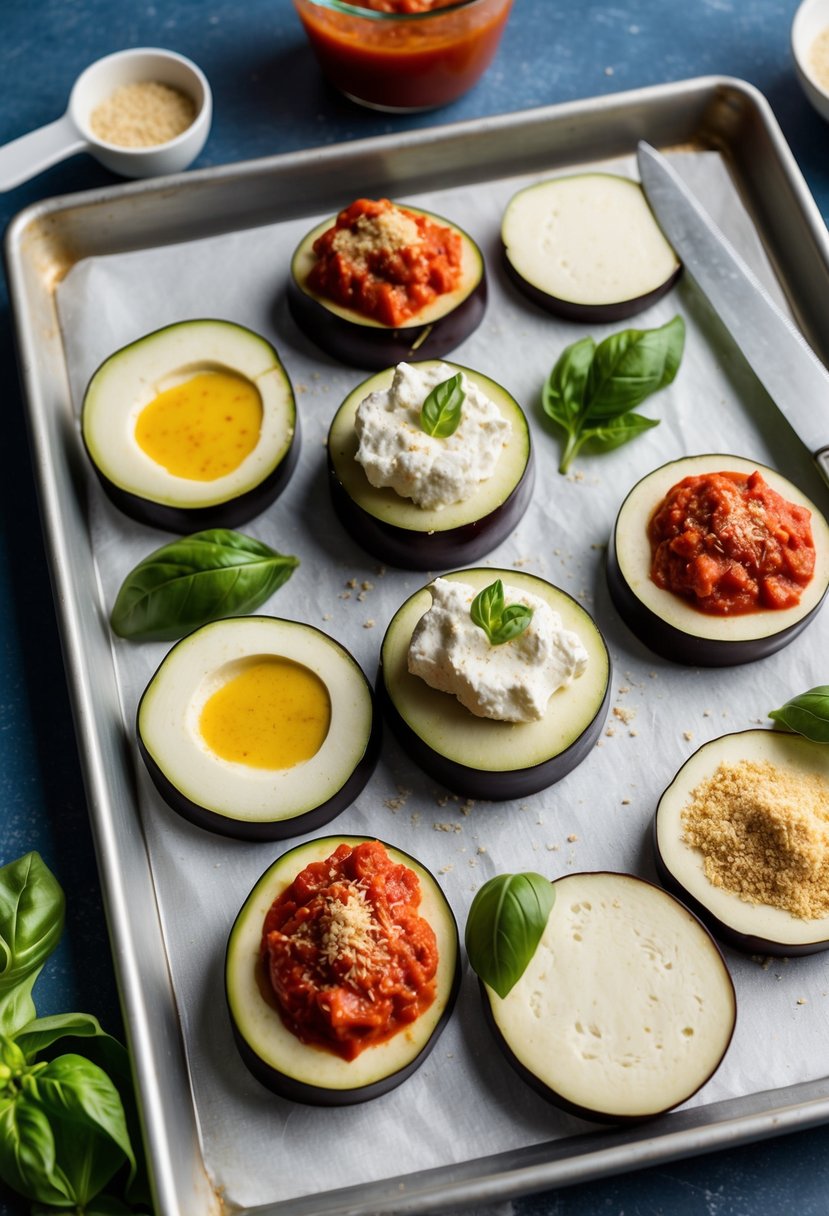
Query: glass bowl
[[403, 61]]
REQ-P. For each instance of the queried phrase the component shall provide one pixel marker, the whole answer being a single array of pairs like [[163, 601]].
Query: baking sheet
[[49, 238], [597, 818]]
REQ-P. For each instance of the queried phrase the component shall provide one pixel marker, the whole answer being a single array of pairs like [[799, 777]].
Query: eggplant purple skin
[[230, 514], [573, 1108], [747, 943], [491, 786], [598, 314], [277, 829], [411, 550], [373, 348], [679, 647], [316, 1095]]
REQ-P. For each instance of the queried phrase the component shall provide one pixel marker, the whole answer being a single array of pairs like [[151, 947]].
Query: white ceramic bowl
[[810, 20]]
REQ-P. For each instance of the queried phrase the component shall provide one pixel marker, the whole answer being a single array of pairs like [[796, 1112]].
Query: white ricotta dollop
[[396, 452], [511, 682]]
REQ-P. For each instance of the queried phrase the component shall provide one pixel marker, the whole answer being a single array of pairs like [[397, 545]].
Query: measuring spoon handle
[[31, 154]]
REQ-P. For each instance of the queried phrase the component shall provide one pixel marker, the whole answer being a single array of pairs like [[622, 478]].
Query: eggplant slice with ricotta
[[194, 739], [625, 1009], [303, 1072], [756, 928], [587, 247], [351, 337], [670, 625], [401, 533], [193, 426], [479, 757]]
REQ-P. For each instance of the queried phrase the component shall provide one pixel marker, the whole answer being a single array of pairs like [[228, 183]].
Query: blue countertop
[[269, 98]]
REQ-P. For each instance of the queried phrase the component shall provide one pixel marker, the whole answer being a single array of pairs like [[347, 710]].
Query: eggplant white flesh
[[396, 530], [587, 247], [303, 1072], [351, 337], [233, 798], [479, 757], [755, 928], [670, 625], [625, 1009], [127, 382]]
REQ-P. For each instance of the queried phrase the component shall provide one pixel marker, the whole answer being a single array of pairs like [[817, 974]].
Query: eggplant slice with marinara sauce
[[359, 340], [303, 1072]]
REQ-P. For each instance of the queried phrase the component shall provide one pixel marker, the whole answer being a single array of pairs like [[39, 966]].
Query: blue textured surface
[[270, 98]]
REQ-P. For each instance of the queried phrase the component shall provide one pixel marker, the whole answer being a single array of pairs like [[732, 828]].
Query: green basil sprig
[[65, 1119], [504, 926], [197, 579], [441, 412], [499, 622], [807, 714], [592, 389]]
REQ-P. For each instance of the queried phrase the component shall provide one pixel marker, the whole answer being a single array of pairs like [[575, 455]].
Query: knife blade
[[777, 352]]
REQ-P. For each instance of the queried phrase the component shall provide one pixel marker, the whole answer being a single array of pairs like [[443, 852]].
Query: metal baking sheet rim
[[41, 243]]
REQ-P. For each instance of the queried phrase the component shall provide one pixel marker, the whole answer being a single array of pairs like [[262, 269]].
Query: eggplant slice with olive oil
[[360, 341], [193, 426], [626, 1007], [212, 770], [303, 1072], [396, 530], [479, 757]]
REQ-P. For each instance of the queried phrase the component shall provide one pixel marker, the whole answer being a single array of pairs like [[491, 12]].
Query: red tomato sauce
[[406, 64], [348, 958], [385, 262], [730, 544]]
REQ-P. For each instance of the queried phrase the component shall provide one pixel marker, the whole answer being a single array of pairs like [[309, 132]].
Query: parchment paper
[[465, 1101]]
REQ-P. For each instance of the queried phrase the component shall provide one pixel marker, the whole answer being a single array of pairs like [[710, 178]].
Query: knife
[[786, 366]]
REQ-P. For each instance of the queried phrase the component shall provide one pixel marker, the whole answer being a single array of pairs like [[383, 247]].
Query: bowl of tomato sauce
[[404, 55]]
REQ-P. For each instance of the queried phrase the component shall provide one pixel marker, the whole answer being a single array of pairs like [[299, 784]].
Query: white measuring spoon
[[32, 153]]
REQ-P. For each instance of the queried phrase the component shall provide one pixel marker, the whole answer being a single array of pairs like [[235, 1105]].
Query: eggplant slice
[[305, 1073], [625, 1009], [587, 247], [478, 757], [751, 927], [400, 533], [360, 341], [668, 624]]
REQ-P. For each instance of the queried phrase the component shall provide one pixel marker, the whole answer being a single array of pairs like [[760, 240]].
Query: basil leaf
[[629, 366], [563, 394], [197, 579], [499, 623], [504, 926], [807, 714], [31, 922], [28, 1161], [592, 389], [441, 412]]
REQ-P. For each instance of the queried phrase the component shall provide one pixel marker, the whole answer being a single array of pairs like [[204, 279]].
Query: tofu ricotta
[[433, 472], [511, 682]]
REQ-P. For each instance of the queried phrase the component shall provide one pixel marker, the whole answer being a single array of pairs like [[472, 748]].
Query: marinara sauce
[[349, 960], [417, 57], [731, 544], [384, 261]]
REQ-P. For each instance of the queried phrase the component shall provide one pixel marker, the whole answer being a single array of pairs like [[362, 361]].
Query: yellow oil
[[204, 427], [273, 714]]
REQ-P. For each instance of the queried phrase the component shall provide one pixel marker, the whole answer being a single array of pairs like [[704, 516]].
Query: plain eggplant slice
[[360, 341], [400, 533], [142, 488], [752, 927], [236, 799], [305, 1073], [587, 247], [479, 757], [667, 623], [625, 1009]]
